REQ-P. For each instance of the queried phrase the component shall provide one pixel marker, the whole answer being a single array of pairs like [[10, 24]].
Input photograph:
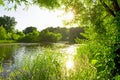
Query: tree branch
[[110, 11], [115, 5]]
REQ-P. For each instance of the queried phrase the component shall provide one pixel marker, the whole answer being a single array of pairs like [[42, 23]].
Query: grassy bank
[[7, 41]]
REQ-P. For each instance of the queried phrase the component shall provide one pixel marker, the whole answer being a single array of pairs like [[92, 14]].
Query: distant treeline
[[31, 34], [68, 34]]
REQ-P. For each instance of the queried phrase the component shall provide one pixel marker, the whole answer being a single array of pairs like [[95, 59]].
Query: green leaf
[[15, 6], [94, 62], [1, 2]]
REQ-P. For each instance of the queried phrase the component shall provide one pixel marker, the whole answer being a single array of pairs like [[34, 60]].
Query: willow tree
[[101, 20]]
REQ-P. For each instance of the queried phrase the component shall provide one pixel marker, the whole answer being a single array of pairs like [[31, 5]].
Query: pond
[[12, 54]]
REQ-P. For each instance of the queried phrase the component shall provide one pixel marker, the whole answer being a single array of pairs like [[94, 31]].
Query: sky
[[40, 18]]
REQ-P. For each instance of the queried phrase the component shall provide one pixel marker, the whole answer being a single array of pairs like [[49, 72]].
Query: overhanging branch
[[110, 11], [115, 5]]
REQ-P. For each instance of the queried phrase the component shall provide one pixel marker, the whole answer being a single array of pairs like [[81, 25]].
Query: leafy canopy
[[29, 29], [8, 23]]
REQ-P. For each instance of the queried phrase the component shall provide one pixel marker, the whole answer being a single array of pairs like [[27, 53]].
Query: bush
[[30, 37], [3, 33], [46, 36]]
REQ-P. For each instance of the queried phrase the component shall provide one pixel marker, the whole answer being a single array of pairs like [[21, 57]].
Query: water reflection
[[12, 56], [69, 63], [70, 51], [18, 57], [6, 53]]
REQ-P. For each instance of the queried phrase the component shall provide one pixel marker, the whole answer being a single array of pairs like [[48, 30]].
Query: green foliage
[[9, 36], [3, 33], [74, 33], [30, 37], [50, 4], [117, 77], [15, 3], [46, 36], [20, 34], [68, 34], [100, 55], [15, 36], [102, 32], [50, 64], [5, 52], [51, 34], [45, 65], [29, 30], [63, 31], [7, 41], [8, 23], [29, 34], [12, 36], [1, 2]]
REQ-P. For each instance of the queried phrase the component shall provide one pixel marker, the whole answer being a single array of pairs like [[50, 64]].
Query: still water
[[12, 54]]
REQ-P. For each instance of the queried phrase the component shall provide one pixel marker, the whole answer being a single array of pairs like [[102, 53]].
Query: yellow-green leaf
[[94, 62], [1, 2]]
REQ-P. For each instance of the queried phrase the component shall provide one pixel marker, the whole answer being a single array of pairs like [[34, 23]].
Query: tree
[[63, 31], [15, 3], [46, 36], [114, 4], [68, 34], [75, 33], [29, 29], [49, 3], [15, 36], [101, 19], [30, 37], [8, 23], [19, 35], [3, 34]]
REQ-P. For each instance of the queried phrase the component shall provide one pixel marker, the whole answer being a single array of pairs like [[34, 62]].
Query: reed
[[51, 65]]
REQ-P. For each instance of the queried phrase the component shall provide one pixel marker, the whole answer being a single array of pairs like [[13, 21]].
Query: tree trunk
[[115, 5]]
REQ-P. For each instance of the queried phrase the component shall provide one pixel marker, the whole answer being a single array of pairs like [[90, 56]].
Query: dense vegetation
[[50, 64], [101, 20], [67, 34], [31, 34]]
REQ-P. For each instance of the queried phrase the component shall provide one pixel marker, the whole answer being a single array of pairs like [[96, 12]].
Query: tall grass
[[51, 65], [43, 66]]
